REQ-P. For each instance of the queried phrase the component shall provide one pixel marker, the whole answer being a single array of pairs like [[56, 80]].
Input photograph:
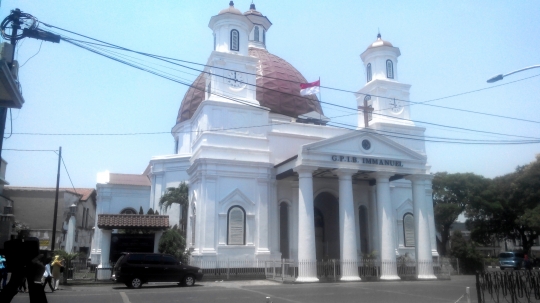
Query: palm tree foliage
[[177, 195]]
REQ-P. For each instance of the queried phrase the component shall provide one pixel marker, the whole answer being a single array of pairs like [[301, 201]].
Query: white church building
[[269, 179]]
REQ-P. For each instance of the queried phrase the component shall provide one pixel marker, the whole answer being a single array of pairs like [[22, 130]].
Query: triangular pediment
[[363, 144]]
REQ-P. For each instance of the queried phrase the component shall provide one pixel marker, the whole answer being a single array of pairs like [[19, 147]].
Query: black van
[[136, 269]]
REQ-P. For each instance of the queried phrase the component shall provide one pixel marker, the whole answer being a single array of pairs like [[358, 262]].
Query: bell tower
[[230, 74], [383, 98]]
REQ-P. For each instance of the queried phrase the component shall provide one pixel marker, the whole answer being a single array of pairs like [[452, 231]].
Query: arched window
[[284, 230], [363, 218], [236, 226], [368, 72], [256, 33], [264, 36], [389, 69], [235, 37], [408, 230], [214, 41], [128, 211]]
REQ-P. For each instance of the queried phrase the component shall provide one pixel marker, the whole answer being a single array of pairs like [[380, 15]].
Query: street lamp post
[[501, 76]]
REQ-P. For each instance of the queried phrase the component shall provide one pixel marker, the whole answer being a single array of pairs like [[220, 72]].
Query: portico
[[362, 176]]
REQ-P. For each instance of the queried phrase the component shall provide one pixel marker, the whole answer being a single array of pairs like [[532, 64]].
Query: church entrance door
[[327, 226]]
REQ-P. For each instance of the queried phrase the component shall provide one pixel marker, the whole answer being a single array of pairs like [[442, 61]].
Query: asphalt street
[[257, 291]]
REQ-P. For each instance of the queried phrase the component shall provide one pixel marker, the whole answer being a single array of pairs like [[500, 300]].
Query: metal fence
[[230, 269], [368, 269], [514, 286]]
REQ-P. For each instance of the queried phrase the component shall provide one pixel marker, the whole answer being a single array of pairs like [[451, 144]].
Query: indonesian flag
[[310, 88]]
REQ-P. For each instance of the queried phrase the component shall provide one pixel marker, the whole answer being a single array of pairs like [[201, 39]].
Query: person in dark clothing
[[23, 261]]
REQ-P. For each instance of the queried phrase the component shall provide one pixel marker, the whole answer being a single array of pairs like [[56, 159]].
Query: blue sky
[[447, 47]]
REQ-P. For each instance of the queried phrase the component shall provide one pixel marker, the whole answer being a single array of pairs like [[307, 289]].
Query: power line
[[106, 44]]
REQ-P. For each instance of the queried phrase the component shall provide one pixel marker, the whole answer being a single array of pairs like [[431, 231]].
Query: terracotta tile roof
[[128, 179], [84, 192], [113, 221]]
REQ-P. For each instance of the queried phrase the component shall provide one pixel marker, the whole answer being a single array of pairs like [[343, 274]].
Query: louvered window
[[256, 33], [235, 43], [408, 229], [389, 69], [236, 226], [368, 72]]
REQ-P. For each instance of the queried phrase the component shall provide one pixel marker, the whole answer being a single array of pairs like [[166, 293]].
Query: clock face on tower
[[236, 80], [396, 106]]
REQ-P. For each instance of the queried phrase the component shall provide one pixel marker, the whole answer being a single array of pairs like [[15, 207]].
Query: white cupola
[[257, 37], [231, 31], [383, 96]]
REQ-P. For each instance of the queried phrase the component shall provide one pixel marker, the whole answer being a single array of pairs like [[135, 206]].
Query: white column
[[307, 259], [105, 254], [70, 237], [374, 221], [431, 217], [386, 227], [424, 260], [347, 227]]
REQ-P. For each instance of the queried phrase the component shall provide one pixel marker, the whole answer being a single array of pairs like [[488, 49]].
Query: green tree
[[173, 243], [177, 195], [451, 194], [141, 212], [469, 258], [512, 210], [150, 211]]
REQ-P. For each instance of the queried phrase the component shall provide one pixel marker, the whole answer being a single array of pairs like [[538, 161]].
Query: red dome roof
[[277, 89]]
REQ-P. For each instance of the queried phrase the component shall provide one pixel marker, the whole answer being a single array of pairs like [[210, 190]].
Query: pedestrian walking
[[57, 268], [47, 276], [3, 271]]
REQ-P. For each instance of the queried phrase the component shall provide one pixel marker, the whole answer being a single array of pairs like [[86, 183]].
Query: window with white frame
[[235, 40], [389, 69], [408, 230], [236, 226]]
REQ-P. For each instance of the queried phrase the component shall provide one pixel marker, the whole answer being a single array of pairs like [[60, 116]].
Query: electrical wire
[[11, 124], [67, 172], [106, 44], [33, 55]]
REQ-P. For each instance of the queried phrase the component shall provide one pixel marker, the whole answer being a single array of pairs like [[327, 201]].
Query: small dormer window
[[256, 33], [235, 37], [389, 69], [368, 72]]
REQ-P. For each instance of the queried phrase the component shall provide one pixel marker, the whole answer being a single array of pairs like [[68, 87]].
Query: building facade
[[33, 207], [270, 179]]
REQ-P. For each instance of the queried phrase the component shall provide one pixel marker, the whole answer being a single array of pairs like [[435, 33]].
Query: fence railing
[[366, 269], [230, 269], [515, 286]]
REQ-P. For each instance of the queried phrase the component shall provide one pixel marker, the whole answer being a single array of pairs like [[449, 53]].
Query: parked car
[[511, 260], [136, 269]]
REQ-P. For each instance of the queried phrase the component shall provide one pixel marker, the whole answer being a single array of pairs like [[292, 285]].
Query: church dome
[[278, 89], [230, 10], [379, 42]]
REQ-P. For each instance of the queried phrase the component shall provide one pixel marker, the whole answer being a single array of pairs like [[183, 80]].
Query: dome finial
[[231, 3], [379, 34], [252, 6]]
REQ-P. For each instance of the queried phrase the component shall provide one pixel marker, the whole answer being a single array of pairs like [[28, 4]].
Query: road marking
[[268, 295], [124, 297]]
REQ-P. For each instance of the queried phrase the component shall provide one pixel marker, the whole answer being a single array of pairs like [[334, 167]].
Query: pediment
[[363, 144], [238, 197]]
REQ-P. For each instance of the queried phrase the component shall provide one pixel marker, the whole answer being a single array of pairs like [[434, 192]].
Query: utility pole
[[56, 199]]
